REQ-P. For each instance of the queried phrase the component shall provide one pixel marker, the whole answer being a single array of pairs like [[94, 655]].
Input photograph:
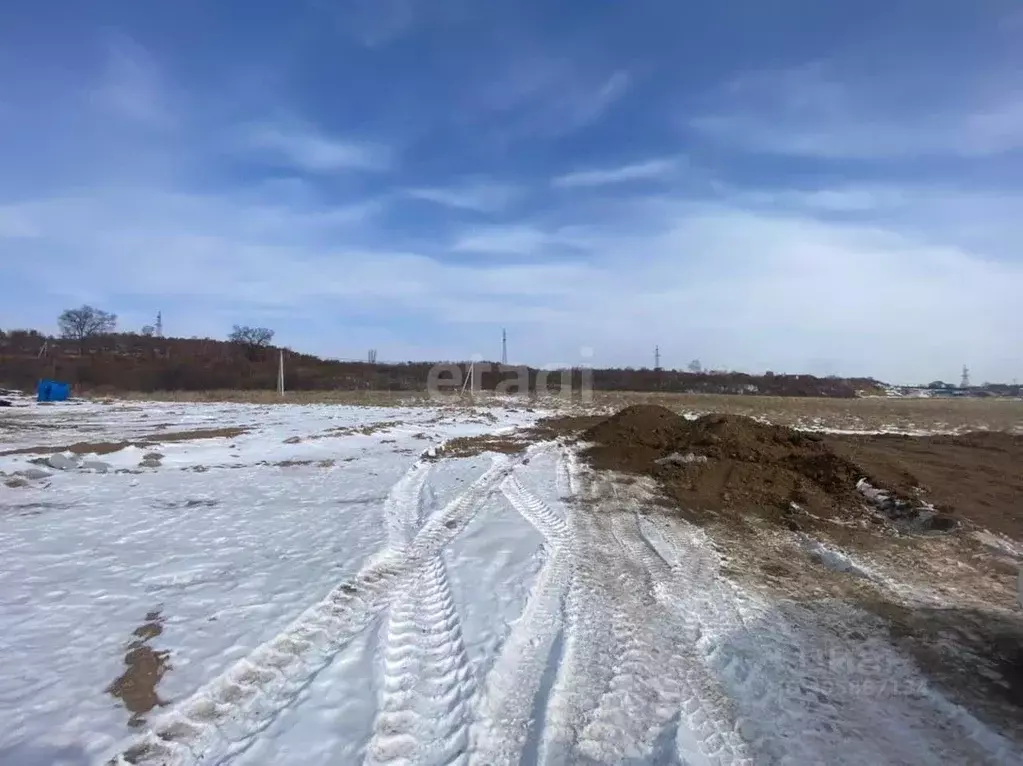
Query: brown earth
[[144, 667], [724, 463], [106, 448], [977, 475], [730, 464], [960, 414]]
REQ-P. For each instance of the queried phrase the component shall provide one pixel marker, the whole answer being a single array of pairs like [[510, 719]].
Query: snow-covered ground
[[330, 588]]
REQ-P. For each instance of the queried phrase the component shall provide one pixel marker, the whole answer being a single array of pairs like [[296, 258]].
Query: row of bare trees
[[87, 322]]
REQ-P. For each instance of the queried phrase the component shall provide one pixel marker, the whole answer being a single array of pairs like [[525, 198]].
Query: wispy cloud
[[131, 86], [813, 111], [482, 197], [640, 171], [545, 96], [306, 148], [518, 239], [590, 107]]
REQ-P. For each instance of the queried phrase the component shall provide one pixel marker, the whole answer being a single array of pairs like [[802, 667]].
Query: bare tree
[[84, 323], [252, 339], [148, 330], [695, 366]]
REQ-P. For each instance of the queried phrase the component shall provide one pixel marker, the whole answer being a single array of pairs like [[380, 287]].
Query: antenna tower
[[657, 357], [159, 324], [965, 382], [504, 347]]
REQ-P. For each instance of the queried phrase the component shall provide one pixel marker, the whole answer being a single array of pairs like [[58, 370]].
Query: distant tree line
[[92, 355]]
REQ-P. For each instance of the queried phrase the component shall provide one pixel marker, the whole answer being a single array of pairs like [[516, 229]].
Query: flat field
[[392, 581]]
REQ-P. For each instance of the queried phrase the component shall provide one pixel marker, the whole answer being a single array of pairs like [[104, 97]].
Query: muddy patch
[[468, 446], [31, 509], [78, 448], [200, 433], [194, 502], [144, 667], [364, 430], [106, 448]]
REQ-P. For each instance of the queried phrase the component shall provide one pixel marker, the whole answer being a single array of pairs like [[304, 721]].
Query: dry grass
[[373, 398], [469, 446]]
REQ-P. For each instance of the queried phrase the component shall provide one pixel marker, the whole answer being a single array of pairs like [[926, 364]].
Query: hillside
[[130, 362]]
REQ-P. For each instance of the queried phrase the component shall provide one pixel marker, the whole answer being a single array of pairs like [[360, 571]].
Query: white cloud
[[481, 197], [131, 86], [813, 111], [651, 169], [734, 284], [305, 148]]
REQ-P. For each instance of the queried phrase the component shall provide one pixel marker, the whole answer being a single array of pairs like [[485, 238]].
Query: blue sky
[[831, 188]]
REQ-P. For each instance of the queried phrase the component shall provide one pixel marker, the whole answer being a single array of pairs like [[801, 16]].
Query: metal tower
[[657, 357], [159, 324], [504, 346], [965, 382]]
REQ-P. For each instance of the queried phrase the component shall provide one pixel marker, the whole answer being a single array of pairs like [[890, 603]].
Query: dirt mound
[[730, 463]]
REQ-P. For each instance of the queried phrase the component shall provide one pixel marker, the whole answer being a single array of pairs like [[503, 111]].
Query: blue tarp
[[52, 391]]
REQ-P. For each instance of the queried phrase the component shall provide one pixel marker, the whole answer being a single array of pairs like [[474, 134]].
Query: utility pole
[[280, 374]]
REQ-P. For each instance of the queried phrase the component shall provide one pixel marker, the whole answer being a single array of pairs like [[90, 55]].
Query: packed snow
[[329, 587]]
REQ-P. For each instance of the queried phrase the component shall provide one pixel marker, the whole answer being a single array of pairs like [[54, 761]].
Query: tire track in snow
[[424, 711], [403, 507], [230, 710], [687, 584], [514, 682], [659, 681], [586, 661]]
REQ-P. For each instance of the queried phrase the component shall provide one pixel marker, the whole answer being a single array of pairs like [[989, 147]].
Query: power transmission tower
[[504, 346], [657, 357], [965, 382], [159, 324]]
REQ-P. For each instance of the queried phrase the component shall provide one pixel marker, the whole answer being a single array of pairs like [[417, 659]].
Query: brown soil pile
[[729, 463]]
